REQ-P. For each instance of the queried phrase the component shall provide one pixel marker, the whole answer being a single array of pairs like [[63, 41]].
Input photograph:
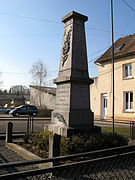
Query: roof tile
[[127, 47]]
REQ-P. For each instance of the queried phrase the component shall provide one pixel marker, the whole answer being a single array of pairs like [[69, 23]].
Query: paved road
[[8, 116], [20, 124]]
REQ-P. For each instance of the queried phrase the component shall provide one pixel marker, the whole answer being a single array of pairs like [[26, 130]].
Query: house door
[[104, 106]]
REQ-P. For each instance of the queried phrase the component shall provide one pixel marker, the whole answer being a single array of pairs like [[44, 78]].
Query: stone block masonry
[[72, 110]]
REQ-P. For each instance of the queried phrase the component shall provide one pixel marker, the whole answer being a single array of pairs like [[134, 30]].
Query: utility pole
[[113, 102]]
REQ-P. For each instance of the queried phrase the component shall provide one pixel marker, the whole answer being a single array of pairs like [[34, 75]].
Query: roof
[[49, 90], [123, 47]]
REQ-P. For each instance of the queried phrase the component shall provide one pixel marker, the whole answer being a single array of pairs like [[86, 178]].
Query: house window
[[105, 102], [128, 101], [127, 70]]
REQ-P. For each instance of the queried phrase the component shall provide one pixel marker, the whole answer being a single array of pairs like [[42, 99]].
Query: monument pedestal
[[72, 113]]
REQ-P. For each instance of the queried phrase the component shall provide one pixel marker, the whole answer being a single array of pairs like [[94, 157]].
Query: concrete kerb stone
[[26, 154]]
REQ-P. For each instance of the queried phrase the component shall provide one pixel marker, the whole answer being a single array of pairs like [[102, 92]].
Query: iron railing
[[122, 127], [24, 125], [114, 163]]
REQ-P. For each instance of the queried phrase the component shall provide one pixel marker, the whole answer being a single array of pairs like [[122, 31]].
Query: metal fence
[[23, 125], [122, 127], [115, 163]]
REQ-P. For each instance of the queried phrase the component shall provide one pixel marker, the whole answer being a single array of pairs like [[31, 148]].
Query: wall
[[8, 98], [103, 84], [47, 100]]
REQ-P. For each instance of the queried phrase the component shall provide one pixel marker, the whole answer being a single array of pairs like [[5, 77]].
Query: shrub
[[27, 137], [39, 140], [77, 144]]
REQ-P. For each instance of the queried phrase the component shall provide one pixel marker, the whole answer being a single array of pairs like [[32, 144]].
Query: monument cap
[[74, 14]]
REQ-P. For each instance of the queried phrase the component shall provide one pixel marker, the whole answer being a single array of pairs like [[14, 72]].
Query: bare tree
[[19, 89], [39, 74]]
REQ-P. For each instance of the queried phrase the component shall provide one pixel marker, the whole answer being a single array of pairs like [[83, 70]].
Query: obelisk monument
[[72, 110]]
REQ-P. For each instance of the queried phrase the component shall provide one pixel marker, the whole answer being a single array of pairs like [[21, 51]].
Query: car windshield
[[19, 107]]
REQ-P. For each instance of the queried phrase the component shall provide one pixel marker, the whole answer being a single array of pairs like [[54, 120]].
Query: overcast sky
[[32, 30]]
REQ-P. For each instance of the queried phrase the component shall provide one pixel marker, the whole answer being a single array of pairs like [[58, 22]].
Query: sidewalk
[[7, 155]]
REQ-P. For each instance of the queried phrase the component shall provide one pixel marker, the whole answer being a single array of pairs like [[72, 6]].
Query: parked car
[[4, 110], [24, 110]]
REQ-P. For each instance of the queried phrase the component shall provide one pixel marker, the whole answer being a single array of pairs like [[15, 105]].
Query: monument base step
[[70, 131]]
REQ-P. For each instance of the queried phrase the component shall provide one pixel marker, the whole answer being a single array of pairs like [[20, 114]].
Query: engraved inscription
[[62, 97]]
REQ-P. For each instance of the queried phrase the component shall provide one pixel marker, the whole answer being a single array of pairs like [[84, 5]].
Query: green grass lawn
[[125, 131]]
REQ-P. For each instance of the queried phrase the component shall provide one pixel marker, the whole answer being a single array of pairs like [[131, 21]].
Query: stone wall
[[47, 99]]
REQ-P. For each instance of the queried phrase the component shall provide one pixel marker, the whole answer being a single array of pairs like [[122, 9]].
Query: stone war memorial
[[72, 111]]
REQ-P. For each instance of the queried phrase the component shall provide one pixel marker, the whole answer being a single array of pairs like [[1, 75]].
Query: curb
[[27, 155]]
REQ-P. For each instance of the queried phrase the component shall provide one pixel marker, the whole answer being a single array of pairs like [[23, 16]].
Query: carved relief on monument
[[60, 118], [66, 45]]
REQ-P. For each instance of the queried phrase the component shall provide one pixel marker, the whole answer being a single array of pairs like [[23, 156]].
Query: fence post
[[32, 124], [133, 129], [9, 129], [130, 129], [28, 125], [54, 146]]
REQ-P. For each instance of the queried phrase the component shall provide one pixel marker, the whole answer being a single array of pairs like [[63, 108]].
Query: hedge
[[77, 144]]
